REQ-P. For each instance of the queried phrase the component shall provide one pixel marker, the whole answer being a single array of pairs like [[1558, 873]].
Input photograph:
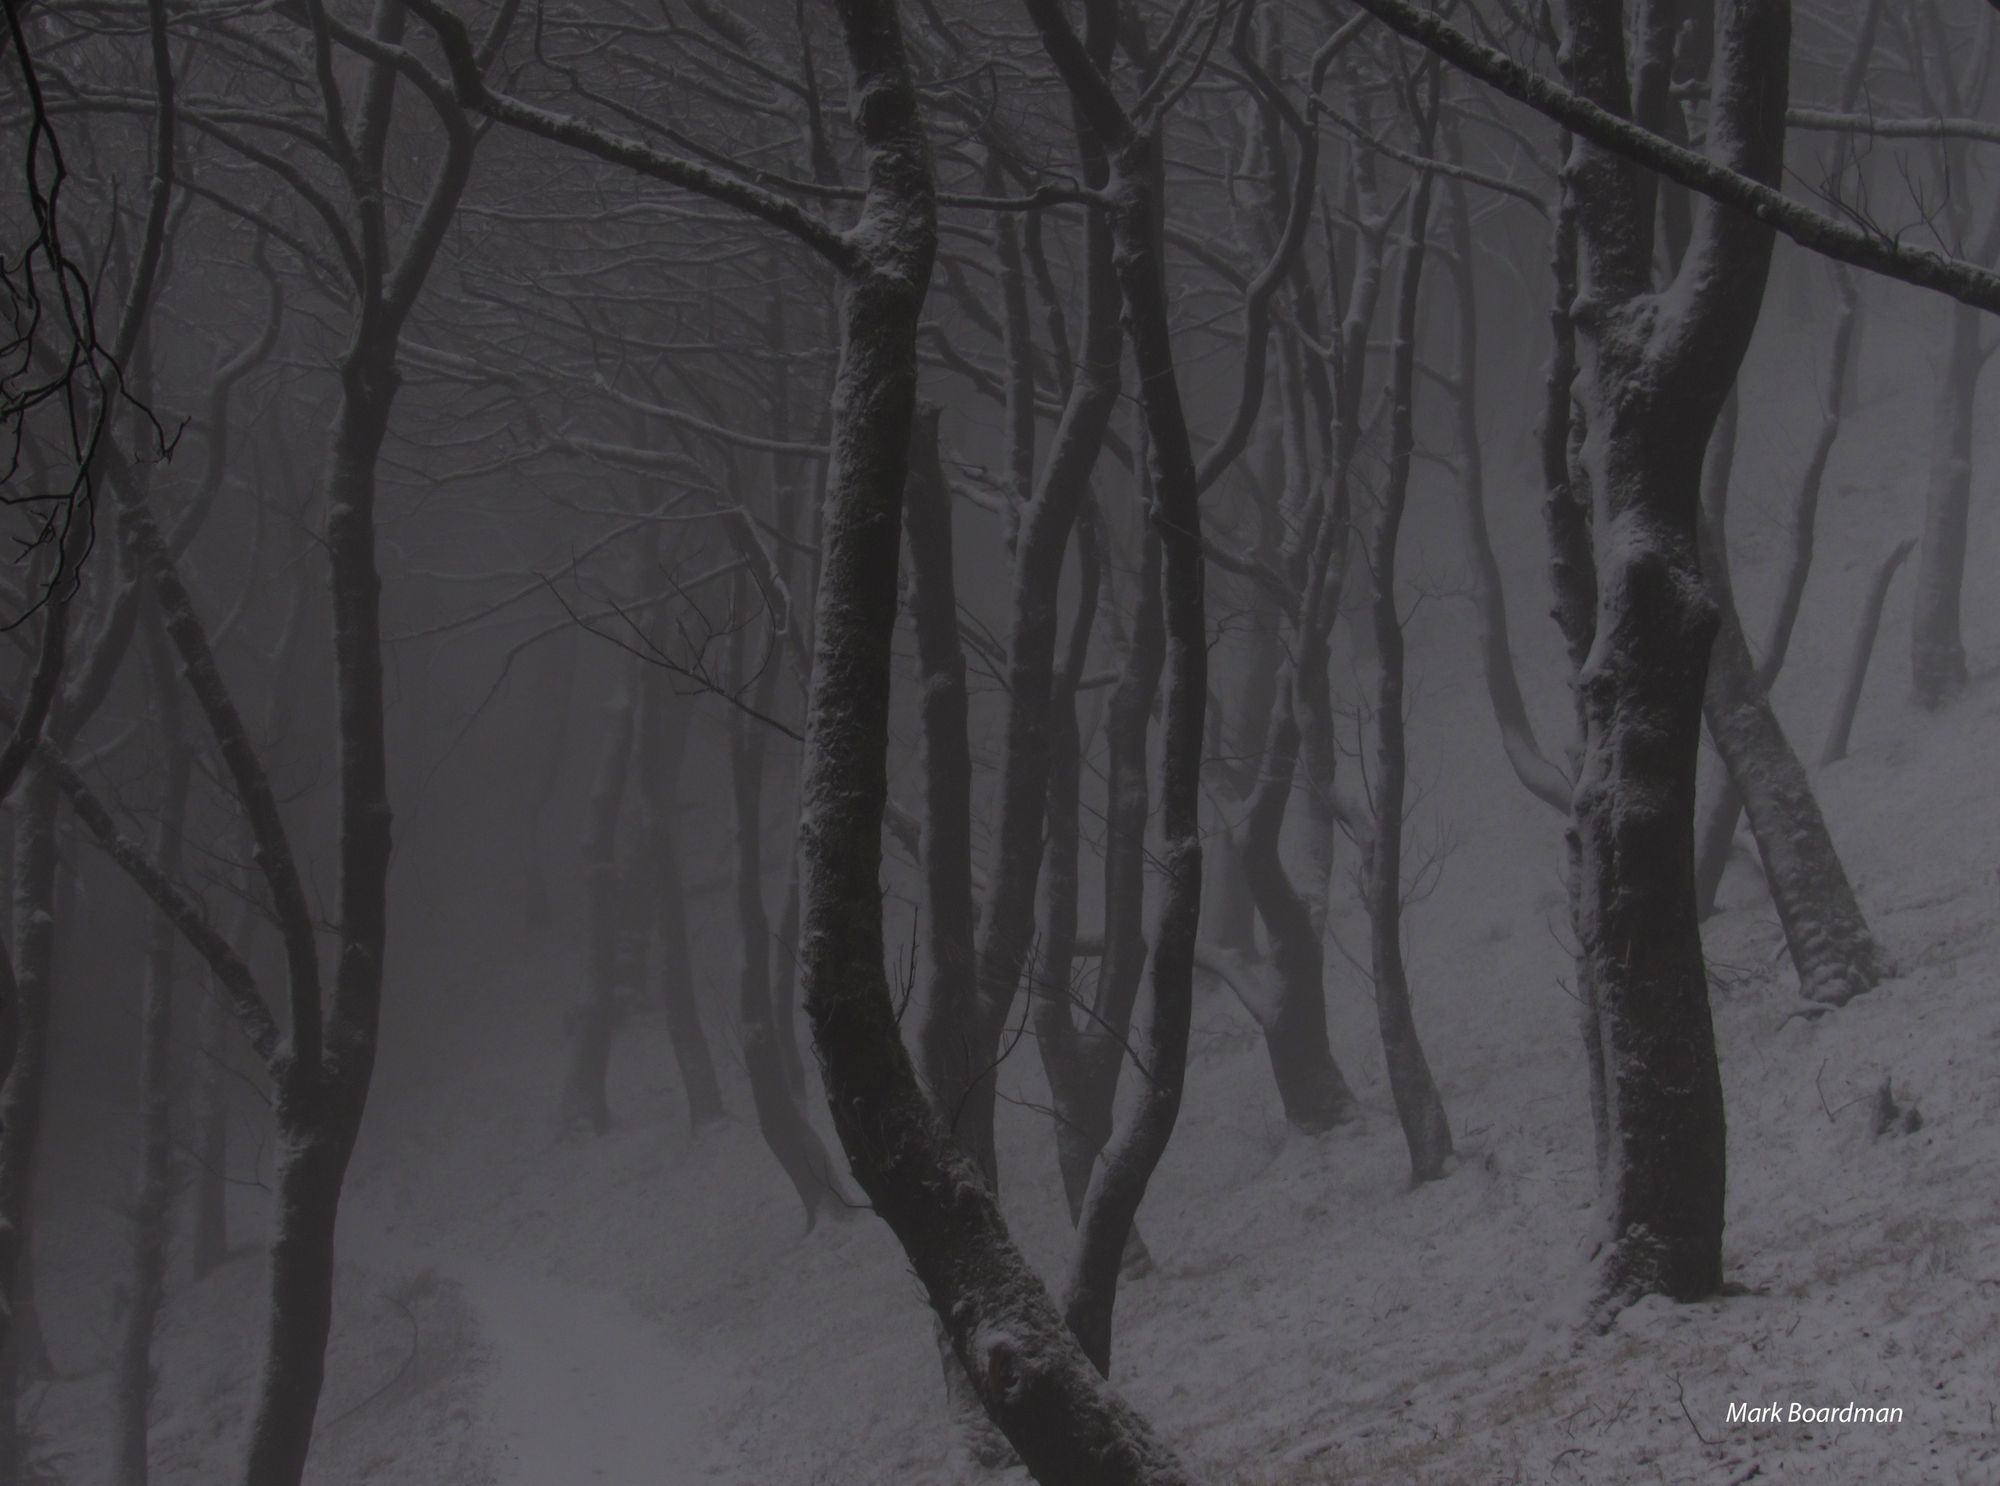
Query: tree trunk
[[1174, 512], [1828, 937], [314, 1144], [1067, 1424], [594, 1017], [663, 731], [34, 810], [1937, 649], [1315, 1096], [1718, 829], [152, 1203], [1655, 366], [319, 1100], [1858, 656], [783, 1124], [1419, 1107]]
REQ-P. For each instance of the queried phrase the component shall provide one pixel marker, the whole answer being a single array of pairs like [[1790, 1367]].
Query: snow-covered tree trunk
[[1826, 932], [1719, 821], [1067, 1424], [1654, 367]]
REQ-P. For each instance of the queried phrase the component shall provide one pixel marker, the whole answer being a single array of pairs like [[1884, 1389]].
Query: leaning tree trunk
[[1718, 828], [152, 1202], [1825, 931], [1067, 1424]]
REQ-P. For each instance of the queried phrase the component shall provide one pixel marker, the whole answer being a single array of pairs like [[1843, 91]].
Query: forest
[[1424, 912]]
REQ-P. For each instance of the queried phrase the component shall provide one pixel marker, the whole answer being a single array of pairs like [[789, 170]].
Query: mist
[[1106, 742]]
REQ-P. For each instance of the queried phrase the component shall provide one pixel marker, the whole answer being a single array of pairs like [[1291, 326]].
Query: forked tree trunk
[[1654, 368], [1311, 1088], [1067, 1424], [1173, 508]]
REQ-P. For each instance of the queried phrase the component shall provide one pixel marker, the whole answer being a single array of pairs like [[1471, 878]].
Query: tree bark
[[1825, 931], [782, 1123], [1067, 1424], [1654, 369]]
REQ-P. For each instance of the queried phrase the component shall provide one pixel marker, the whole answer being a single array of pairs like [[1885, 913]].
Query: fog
[[1103, 742]]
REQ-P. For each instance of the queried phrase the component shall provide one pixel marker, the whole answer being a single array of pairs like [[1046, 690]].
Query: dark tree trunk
[[783, 1124], [1419, 1107], [594, 1017], [663, 731], [1654, 369], [34, 810], [948, 965], [152, 1201], [320, 1098], [1067, 1424], [1937, 648], [1865, 630], [1174, 511], [1311, 1088]]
